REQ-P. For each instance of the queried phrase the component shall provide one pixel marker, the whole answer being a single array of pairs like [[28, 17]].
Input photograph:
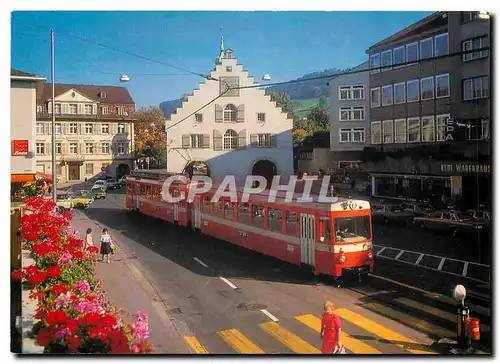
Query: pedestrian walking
[[88, 239], [106, 246], [330, 331]]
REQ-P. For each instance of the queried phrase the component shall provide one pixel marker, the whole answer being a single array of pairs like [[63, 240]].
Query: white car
[[100, 184]]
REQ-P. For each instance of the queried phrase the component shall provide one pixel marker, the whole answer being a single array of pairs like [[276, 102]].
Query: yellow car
[[82, 200]]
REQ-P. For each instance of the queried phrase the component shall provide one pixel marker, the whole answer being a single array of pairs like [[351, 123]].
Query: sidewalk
[[127, 288]]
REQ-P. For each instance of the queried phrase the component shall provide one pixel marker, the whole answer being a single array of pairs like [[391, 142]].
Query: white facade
[[22, 122], [260, 130]]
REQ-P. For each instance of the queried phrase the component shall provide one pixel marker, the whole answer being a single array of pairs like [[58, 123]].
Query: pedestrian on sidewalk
[[88, 239], [330, 331], [105, 246]]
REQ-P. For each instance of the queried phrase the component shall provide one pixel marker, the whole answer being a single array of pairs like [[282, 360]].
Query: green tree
[[150, 135], [318, 120], [283, 101]]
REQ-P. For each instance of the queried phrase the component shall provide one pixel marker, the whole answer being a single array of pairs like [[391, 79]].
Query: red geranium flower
[[56, 317], [59, 288], [18, 274], [93, 249], [73, 342], [67, 215], [44, 337], [54, 272]]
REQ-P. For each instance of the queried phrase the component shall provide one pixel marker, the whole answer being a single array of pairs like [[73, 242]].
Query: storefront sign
[[465, 168], [20, 147], [450, 128]]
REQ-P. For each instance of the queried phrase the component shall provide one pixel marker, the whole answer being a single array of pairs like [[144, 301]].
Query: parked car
[[113, 184], [449, 220], [63, 201], [480, 214], [98, 192], [100, 184], [82, 199], [390, 213], [417, 208]]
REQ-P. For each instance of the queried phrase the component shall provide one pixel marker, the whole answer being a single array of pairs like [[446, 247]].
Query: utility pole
[[52, 62]]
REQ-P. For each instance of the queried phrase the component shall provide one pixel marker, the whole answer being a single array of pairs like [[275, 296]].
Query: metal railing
[[460, 268]]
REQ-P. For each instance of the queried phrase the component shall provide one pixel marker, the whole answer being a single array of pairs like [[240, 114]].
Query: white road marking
[[199, 261], [228, 283], [272, 317]]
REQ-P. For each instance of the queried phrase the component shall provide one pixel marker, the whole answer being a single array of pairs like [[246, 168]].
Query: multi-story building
[[241, 133], [94, 131], [23, 91], [349, 116], [430, 109]]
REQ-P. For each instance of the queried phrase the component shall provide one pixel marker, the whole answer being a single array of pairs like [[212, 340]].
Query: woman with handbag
[[106, 244], [330, 331]]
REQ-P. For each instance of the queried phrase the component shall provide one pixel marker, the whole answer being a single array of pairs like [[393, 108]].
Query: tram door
[[197, 212], [176, 212], [307, 248]]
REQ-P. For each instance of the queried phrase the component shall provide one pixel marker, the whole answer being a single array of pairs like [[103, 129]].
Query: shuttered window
[[217, 140]]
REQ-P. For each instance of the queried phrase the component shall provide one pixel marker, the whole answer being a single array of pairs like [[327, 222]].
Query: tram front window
[[352, 229]]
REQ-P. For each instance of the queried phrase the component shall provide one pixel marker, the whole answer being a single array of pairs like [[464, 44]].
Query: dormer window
[[228, 53], [102, 95], [229, 69]]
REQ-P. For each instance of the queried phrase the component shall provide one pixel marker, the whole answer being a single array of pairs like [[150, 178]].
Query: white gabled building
[[241, 133]]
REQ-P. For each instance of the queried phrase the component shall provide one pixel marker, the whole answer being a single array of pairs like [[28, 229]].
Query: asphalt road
[[225, 299]]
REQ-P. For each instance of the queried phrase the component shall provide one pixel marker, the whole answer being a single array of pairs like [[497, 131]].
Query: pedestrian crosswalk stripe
[[380, 331], [428, 309], [195, 345], [295, 343], [412, 321], [239, 342], [351, 344]]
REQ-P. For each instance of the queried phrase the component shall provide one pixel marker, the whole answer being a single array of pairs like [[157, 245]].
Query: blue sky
[[284, 44]]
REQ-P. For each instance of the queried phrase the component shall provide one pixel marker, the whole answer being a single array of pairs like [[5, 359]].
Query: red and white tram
[[325, 237]]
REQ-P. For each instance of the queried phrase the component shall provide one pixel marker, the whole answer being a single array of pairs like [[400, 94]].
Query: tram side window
[[291, 223], [325, 230], [274, 219], [218, 208], [206, 204], [243, 212], [148, 191], [258, 216], [229, 208]]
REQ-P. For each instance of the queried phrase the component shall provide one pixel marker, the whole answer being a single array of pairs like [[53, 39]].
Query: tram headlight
[[370, 255], [342, 258]]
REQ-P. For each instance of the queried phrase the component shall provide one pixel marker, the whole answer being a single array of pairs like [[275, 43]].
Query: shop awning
[[21, 178], [46, 176]]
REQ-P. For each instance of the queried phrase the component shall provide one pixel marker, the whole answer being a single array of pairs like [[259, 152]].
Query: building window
[[441, 44], [469, 16], [198, 118], [264, 140], [89, 128], [40, 168], [352, 113], [105, 128], [58, 128], [73, 109], [57, 108], [121, 128], [121, 110], [441, 121], [426, 49], [412, 91], [230, 113], [73, 128], [89, 168], [120, 148], [39, 128], [428, 130], [40, 148], [58, 148], [375, 63], [88, 109], [413, 130], [399, 56], [475, 88], [442, 86], [89, 148], [400, 131], [105, 148], [472, 44], [229, 69], [351, 92], [376, 132], [73, 148], [386, 60], [387, 95], [388, 131], [230, 139], [412, 53], [485, 129], [375, 97], [58, 170], [197, 141], [399, 93], [261, 117], [427, 88], [104, 110], [354, 135]]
